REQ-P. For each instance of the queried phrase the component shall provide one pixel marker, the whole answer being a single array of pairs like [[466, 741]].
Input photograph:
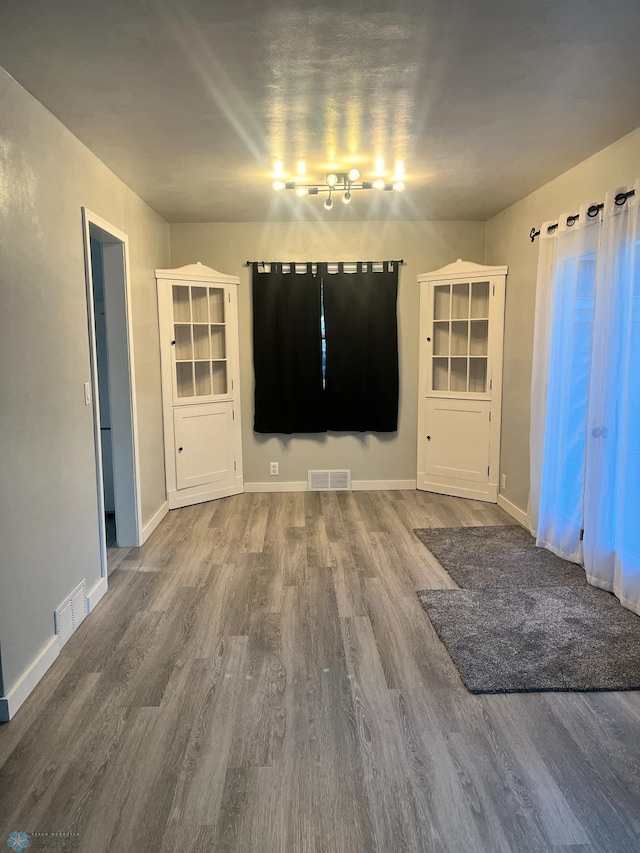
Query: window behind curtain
[[352, 385]]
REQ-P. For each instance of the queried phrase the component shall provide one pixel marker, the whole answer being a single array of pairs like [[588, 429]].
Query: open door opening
[[104, 403], [108, 303]]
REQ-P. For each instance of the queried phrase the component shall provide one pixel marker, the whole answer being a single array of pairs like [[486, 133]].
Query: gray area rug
[[527, 621], [497, 556], [545, 638]]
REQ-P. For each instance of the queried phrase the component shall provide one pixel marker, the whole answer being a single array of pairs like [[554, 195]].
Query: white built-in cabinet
[[460, 379], [199, 352]]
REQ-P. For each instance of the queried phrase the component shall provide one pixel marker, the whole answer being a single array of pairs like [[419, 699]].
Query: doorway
[[112, 388], [104, 403]]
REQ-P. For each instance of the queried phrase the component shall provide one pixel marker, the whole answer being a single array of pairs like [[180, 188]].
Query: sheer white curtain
[[612, 482], [585, 405], [559, 382]]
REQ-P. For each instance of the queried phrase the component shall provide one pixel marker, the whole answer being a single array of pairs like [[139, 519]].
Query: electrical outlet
[[274, 469], [503, 482]]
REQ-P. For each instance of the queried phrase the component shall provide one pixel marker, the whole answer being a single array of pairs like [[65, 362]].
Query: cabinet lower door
[[457, 448], [204, 453]]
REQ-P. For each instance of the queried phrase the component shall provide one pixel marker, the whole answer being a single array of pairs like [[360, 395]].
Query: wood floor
[[261, 677]]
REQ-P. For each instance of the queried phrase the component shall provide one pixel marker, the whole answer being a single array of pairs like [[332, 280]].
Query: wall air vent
[[334, 481], [71, 613]]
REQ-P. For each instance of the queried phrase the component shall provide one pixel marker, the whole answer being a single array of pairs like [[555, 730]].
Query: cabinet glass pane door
[[199, 341], [460, 338]]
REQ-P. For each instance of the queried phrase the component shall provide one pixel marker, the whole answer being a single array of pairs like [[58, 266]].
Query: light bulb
[[353, 175], [278, 168], [302, 169], [346, 198], [301, 191], [379, 184], [398, 186], [328, 203], [399, 170], [332, 179], [278, 184], [379, 166]]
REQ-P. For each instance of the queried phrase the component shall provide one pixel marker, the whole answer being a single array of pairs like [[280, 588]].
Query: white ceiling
[[190, 101]]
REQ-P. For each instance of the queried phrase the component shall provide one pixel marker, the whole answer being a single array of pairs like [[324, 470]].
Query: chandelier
[[342, 184]]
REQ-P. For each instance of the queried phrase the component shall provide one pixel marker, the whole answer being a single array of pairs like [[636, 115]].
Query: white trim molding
[[487, 492], [513, 510], [36, 670], [98, 592], [197, 272], [356, 486], [154, 521], [177, 499], [295, 486], [38, 667], [115, 247], [383, 485], [462, 268]]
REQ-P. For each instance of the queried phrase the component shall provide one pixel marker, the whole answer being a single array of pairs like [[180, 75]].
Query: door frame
[[124, 422]]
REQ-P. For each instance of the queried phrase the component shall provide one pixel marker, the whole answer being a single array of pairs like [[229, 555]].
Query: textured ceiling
[[190, 101]]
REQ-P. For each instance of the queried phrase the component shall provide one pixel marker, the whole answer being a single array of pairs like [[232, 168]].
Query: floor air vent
[[322, 481], [71, 613]]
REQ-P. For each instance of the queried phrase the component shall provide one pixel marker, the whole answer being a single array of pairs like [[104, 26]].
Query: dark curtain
[[359, 389], [362, 382], [287, 351]]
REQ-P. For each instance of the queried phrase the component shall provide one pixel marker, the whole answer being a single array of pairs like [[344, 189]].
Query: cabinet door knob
[[428, 439], [429, 339], [173, 343], [180, 449]]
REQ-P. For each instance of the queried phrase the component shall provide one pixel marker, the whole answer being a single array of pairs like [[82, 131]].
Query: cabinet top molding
[[197, 272], [462, 269]]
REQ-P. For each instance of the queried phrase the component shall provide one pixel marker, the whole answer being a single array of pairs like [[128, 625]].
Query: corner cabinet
[[199, 354], [460, 380]]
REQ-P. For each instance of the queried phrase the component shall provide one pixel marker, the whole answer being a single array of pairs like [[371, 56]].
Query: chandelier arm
[[324, 188], [340, 182]]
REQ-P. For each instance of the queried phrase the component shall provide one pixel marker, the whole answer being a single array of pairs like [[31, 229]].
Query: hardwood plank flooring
[[261, 677]]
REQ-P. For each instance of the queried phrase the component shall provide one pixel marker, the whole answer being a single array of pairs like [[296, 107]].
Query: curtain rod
[[592, 211], [269, 263]]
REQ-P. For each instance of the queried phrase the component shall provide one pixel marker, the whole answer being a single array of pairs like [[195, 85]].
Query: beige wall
[[48, 513], [424, 246], [508, 243]]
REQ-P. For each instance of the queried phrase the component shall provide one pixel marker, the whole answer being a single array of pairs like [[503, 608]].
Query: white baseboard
[[356, 486], [96, 594], [383, 485], [295, 486], [154, 521], [36, 670], [513, 510]]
